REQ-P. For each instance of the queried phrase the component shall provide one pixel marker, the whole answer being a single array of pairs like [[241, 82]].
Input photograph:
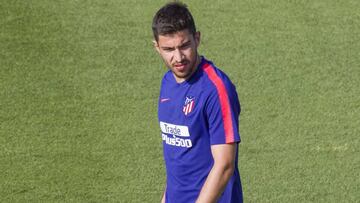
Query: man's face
[[179, 52]]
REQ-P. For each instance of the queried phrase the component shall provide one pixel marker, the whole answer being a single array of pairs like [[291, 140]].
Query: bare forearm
[[163, 197], [215, 183]]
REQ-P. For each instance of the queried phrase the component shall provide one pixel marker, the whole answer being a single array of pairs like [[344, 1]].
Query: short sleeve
[[222, 111]]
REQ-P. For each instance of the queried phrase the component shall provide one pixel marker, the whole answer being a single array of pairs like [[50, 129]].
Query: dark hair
[[171, 18]]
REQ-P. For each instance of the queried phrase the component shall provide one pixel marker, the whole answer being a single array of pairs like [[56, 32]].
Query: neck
[[198, 61]]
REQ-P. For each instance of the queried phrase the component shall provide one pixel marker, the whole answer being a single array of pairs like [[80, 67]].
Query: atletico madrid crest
[[189, 105]]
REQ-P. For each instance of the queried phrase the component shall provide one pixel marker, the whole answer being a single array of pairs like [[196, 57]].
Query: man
[[198, 114]]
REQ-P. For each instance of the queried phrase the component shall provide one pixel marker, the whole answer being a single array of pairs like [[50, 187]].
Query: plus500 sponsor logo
[[176, 131], [175, 141]]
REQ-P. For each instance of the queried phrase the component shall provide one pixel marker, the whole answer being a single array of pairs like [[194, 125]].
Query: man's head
[[171, 18], [176, 39]]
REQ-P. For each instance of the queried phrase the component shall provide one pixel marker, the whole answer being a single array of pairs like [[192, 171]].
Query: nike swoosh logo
[[164, 100]]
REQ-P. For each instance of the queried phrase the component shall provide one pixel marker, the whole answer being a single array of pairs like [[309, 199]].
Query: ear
[[197, 38], [156, 46]]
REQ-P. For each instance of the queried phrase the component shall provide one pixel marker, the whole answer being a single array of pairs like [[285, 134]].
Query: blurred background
[[79, 84]]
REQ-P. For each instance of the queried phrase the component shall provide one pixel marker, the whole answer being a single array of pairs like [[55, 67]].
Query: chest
[[181, 105]]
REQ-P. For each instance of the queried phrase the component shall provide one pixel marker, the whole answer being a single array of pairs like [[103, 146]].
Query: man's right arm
[[163, 197]]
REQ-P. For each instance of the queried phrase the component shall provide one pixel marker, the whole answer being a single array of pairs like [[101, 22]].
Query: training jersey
[[193, 115]]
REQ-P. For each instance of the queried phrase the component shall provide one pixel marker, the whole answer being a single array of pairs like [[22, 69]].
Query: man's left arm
[[221, 172]]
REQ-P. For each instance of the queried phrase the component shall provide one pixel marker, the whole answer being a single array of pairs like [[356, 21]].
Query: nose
[[178, 55]]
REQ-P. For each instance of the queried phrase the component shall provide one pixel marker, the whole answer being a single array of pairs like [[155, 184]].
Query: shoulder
[[166, 79], [166, 76], [215, 78]]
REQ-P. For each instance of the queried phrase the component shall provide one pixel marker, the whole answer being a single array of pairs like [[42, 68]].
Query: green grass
[[79, 82]]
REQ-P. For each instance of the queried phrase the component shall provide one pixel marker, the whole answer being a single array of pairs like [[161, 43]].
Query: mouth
[[180, 66]]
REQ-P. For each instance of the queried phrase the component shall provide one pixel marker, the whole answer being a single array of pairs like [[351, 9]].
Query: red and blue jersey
[[193, 115]]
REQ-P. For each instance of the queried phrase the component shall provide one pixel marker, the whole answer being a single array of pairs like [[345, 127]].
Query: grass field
[[79, 82]]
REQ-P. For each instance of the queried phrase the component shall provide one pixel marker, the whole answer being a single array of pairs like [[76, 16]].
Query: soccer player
[[198, 114]]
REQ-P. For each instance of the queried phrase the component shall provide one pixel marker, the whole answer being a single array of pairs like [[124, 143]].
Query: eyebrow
[[186, 43], [182, 45]]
